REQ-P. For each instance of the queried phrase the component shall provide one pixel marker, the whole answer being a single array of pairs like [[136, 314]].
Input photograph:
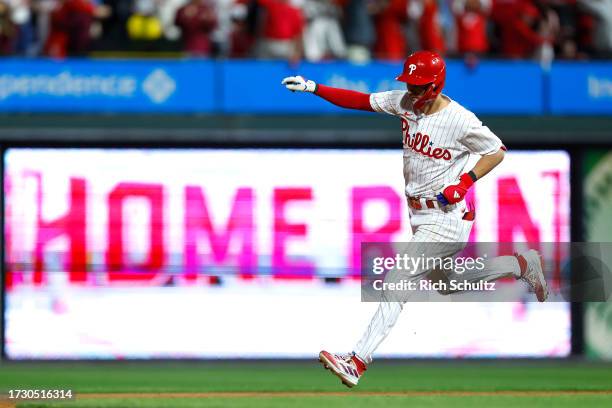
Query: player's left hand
[[453, 193], [299, 83]]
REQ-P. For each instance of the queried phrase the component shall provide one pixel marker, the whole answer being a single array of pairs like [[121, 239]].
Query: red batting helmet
[[424, 68]]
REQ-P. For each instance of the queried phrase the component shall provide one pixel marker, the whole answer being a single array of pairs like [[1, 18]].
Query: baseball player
[[438, 137]]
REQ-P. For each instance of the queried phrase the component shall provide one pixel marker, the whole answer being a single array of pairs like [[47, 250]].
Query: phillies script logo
[[420, 143]]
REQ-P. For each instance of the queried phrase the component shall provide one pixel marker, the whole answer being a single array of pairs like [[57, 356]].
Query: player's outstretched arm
[[340, 97]]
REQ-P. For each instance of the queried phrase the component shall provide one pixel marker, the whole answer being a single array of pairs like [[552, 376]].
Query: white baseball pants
[[431, 226]]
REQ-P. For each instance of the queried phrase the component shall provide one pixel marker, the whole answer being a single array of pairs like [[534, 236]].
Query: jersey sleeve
[[479, 139], [387, 102]]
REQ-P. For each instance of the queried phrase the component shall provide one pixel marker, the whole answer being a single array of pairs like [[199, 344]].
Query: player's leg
[[350, 367], [425, 243], [494, 269], [527, 266], [378, 329], [459, 222], [435, 234], [392, 302]]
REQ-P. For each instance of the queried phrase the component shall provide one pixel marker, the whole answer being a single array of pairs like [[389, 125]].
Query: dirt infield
[[342, 394]]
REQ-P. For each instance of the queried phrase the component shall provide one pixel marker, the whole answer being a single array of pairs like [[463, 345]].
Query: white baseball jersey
[[436, 146], [436, 150]]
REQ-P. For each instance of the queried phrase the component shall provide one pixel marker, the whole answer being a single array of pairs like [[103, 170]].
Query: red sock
[[522, 263], [361, 366]]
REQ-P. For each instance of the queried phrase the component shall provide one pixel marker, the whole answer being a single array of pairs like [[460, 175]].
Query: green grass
[[406, 376], [348, 401]]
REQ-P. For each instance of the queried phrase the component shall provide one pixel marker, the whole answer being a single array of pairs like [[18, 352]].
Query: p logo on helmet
[[431, 71]]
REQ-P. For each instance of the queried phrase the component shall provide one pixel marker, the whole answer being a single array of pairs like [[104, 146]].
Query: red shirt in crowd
[[283, 21], [471, 23], [196, 20], [70, 25], [517, 20], [390, 37], [430, 31]]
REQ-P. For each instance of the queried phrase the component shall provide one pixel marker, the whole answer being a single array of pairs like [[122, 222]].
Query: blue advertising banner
[[490, 88], [497, 87], [106, 86], [581, 88], [254, 87]]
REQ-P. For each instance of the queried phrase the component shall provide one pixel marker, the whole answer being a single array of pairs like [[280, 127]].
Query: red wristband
[[466, 180]]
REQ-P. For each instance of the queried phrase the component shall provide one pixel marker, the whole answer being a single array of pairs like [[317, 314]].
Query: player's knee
[[442, 286], [440, 282], [444, 292]]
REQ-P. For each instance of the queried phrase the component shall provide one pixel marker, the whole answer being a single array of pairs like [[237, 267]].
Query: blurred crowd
[[315, 30]]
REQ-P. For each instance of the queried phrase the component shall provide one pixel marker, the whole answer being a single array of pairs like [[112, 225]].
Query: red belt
[[415, 203]]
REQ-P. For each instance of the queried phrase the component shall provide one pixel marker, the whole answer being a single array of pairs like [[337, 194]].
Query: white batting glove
[[298, 83]]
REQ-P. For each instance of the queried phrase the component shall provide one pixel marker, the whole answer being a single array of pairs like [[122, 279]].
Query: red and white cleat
[[533, 273], [348, 367]]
